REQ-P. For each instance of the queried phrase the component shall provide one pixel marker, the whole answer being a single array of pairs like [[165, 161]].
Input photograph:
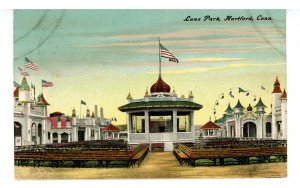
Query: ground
[[156, 165]]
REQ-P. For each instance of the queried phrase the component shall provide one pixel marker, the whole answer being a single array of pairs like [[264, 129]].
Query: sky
[[99, 56]]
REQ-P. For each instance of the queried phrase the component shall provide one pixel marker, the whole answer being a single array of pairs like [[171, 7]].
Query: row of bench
[[104, 158], [187, 155]]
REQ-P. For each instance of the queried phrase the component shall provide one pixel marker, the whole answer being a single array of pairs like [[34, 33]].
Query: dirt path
[[156, 165]]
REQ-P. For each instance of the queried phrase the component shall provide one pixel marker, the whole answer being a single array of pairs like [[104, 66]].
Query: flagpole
[[80, 109], [159, 57]]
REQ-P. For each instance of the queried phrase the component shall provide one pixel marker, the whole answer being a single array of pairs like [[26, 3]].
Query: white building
[[30, 117], [241, 123]]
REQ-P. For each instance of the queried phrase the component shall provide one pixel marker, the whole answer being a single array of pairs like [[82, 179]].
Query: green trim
[[260, 104], [160, 104], [238, 105]]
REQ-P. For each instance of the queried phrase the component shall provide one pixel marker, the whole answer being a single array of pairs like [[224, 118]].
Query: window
[[92, 133], [49, 137]]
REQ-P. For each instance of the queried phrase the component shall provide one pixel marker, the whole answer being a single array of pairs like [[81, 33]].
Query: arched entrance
[[39, 141], [17, 133], [64, 138], [249, 130]]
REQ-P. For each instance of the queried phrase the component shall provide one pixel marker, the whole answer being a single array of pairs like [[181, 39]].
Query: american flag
[[30, 65], [23, 73], [46, 83], [164, 52]]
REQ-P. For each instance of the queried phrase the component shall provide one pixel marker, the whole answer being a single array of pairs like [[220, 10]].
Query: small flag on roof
[[23, 73], [30, 65], [46, 83]]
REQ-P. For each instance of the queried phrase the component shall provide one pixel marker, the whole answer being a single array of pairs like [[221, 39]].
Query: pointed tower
[[88, 117], [228, 111], [260, 107], [283, 99], [93, 119], [276, 106], [24, 91], [73, 117], [238, 112], [238, 109]]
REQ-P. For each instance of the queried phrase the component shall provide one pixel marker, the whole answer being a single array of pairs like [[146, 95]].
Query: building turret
[[276, 108], [73, 117], [174, 92], [260, 107], [283, 99], [88, 117], [238, 109], [93, 119], [101, 113], [229, 110], [24, 91], [88, 113]]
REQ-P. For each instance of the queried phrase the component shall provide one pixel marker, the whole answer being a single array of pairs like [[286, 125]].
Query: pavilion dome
[[111, 128], [160, 86]]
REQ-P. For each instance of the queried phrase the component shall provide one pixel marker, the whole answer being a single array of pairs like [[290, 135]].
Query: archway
[[39, 134], [64, 138], [17, 133], [249, 130]]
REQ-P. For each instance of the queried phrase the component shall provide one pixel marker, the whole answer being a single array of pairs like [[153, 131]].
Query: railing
[[161, 136], [184, 136], [137, 137]]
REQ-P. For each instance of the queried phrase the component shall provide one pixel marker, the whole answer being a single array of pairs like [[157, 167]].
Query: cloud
[[223, 68]]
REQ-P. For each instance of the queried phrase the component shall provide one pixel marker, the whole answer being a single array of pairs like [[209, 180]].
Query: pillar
[[174, 125], [29, 131], [44, 132], [129, 126], [238, 128], [69, 138], [75, 134], [192, 125], [51, 138], [59, 138], [147, 126]]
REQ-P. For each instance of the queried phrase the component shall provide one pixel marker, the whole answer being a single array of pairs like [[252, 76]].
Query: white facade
[[243, 123]]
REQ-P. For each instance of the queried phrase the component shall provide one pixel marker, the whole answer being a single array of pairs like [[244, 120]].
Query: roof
[[16, 92], [221, 120], [24, 84], [160, 86], [41, 99], [260, 104], [54, 114], [277, 86], [238, 105], [229, 109], [283, 96], [210, 125], [160, 104], [111, 128]]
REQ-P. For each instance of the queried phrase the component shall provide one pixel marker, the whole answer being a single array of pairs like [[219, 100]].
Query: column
[[51, 137], [75, 134], [59, 138], [174, 116], [69, 138], [113, 135], [227, 130], [44, 132], [118, 135], [85, 134], [129, 125], [29, 131], [192, 125], [237, 128], [147, 126]]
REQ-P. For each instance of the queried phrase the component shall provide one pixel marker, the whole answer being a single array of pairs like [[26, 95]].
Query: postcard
[[149, 94]]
